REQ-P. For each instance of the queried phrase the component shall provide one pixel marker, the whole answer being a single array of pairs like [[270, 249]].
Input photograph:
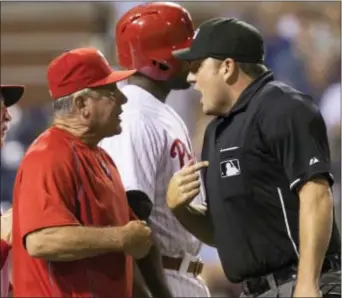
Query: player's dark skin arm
[[150, 266]]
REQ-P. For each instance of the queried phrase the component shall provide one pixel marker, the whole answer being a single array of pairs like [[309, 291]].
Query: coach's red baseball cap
[[81, 68], [11, 93]]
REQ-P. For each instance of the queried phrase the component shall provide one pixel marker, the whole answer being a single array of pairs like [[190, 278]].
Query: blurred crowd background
[[303, 49]]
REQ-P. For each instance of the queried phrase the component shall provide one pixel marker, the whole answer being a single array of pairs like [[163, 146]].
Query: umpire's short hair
[[253, 70]]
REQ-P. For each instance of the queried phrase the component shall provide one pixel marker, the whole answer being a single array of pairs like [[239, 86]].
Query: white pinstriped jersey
[[153, 145]]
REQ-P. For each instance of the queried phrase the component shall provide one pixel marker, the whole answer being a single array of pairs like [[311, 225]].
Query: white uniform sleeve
[[136, 152]]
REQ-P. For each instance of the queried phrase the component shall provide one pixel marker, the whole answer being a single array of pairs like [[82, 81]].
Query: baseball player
[[155, 142], [9, 95]]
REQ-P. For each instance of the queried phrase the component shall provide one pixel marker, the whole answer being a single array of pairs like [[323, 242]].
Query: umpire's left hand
[[185, 185]]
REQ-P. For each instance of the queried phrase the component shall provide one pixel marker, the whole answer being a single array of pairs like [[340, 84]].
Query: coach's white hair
[[62, 106]]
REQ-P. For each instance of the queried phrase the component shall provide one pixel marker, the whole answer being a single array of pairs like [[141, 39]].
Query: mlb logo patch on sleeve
[[230, 168]]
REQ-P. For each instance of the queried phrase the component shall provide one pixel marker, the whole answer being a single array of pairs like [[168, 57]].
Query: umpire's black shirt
[[272, 141]]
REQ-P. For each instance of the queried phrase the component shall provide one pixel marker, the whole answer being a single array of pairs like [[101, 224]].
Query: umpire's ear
[[140, 204]]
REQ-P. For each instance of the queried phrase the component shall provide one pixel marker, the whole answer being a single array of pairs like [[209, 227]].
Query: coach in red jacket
[[74, 234]]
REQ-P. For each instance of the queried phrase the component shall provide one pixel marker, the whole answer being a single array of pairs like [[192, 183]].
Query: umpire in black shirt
[[266, 171]]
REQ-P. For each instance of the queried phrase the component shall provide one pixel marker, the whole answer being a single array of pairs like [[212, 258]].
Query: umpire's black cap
[[223, 38], [11, 93]]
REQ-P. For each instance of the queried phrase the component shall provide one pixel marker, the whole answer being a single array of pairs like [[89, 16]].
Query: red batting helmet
[[147, 34]]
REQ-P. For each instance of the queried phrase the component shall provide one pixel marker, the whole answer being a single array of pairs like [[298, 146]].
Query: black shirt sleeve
[[296, 135]]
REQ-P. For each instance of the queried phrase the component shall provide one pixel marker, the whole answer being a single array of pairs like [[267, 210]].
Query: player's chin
[[115, 129], [118, 128], [182, 86], [178, 83], [2, 140]]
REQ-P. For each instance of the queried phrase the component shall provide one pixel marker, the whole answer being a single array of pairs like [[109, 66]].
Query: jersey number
[[178, 149]]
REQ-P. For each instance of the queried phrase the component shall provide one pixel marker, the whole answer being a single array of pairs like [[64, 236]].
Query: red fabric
[[5, 248], [45, 194], [79, 69]]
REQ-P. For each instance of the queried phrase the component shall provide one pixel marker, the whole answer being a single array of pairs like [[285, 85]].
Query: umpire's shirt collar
[[247, 95]]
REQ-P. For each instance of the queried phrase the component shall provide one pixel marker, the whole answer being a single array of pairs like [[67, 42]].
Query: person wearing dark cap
[[266, 169], [74, 234], [9, 95]]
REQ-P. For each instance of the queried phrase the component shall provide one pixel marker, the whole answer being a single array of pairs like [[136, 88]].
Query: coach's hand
[[185, 185], [137, 239], [6, 226]]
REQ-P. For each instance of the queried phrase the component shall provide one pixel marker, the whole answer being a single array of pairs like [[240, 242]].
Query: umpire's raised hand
[[185, 185]]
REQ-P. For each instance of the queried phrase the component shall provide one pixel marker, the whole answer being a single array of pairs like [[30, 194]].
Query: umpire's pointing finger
[[189, 163], [197, 166], [189, 178]]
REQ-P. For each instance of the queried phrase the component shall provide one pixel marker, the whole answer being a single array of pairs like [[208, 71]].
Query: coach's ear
[[82, 105], [140, 204]]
